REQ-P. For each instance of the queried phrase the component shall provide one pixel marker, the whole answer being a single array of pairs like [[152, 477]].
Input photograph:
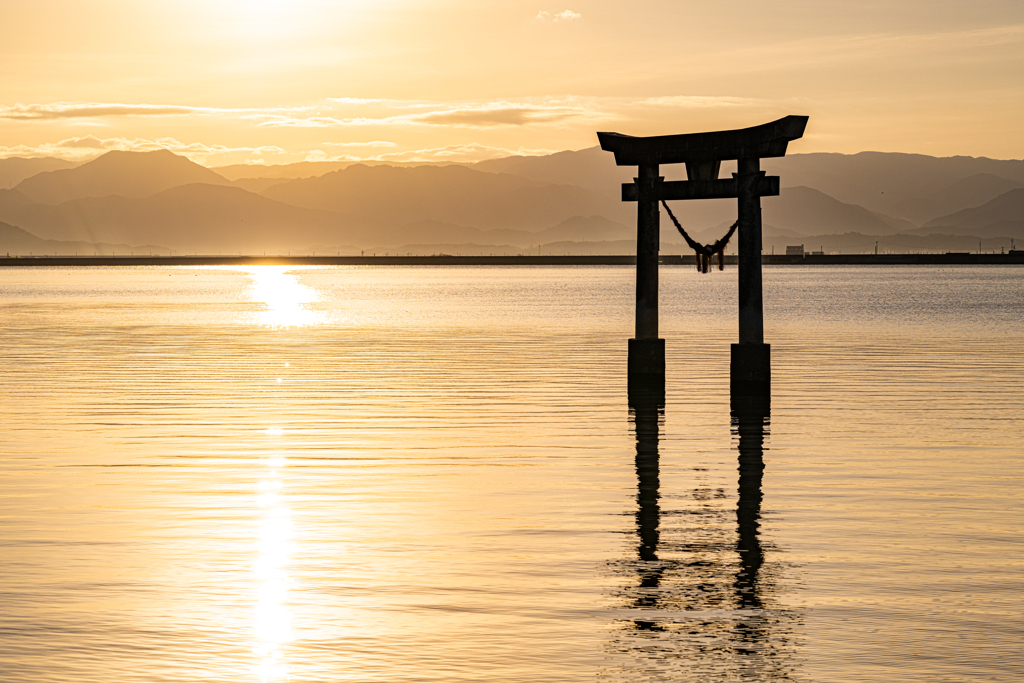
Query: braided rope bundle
[[704, 252]]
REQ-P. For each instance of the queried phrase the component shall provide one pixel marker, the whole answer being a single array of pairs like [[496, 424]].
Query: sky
[[279, 81]]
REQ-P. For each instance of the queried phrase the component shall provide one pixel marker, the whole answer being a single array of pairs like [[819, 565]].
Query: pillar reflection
[[647, 411], [751, 417], [703, 585]]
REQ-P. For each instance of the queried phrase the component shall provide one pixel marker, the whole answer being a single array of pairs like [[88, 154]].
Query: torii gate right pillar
[[750, 368]]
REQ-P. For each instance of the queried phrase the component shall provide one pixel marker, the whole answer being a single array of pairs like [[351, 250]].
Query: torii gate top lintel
[[756, 142]]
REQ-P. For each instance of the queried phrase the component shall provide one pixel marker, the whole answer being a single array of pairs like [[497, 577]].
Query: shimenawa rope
[[704, 252]]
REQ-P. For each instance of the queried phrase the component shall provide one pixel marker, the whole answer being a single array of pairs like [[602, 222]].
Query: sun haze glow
[[276, 81]]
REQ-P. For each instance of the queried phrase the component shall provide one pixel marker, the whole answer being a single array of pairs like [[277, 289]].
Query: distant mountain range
[[15, 169], [1003, 215], [14, 240], [568, 201], [395, 197], [124, 174]]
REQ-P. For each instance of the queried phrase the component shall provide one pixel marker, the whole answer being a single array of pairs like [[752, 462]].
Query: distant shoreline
[[1011, 258]]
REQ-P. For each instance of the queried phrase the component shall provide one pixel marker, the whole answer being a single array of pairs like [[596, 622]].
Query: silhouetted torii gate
[[703, 154]]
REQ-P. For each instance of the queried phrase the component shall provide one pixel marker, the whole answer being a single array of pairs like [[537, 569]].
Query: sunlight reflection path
[[272, 625], [286, 299]]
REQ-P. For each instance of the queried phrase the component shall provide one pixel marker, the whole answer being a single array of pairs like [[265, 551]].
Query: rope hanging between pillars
[[704, 252]]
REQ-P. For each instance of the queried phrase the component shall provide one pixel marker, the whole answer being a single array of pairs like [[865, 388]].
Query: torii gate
[[703, 154]]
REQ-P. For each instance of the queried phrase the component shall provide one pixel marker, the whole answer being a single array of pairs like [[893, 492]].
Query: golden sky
[[276, 81]]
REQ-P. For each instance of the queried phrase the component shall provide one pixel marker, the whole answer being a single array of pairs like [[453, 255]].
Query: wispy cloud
[[421, 122], [467, 115], [320, 155], [354, 100], [344, 112], [692, 101], [94, 110], [291, 121], [564, 15], [89, 146], [461, 153], [372, 143], [499, 114], [66, 110]]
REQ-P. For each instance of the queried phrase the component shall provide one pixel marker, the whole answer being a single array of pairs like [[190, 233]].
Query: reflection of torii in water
[[704, 252], [750, 417], [702, 596]]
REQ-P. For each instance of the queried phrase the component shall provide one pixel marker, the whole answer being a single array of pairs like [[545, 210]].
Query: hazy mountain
[[885, 182], [898, 185], [302, 169], [811, 212], [15, 169], [518, 202], [194, 217], [17, 242], [12, 199], [576, 228], [1002, 216], [769, 232], [968, 192], [432, 232], [585, 229], [308, 169], [258, 185], [125, 174], [592, 169], [448, 194]]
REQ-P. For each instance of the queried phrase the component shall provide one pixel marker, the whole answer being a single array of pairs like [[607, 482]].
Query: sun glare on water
[[285, 298], [272, 623]]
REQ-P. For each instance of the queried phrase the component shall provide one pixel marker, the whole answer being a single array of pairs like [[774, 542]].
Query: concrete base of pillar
[[751, 370], [647, 356], [647, 368]]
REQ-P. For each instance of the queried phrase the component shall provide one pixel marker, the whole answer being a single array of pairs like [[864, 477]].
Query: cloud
[[64, 110], [462, 153], [92, 110], [288, 121], [693, 101], [373, 143], [564, 15], [473, 115], [320, 155], [88, 142], [82, 148], [332, 113], [354, 100], [426, 120], [497, 114]]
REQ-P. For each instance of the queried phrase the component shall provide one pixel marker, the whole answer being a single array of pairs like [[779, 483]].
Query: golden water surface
[[433, 474]]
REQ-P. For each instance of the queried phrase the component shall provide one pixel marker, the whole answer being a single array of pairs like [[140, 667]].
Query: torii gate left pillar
[[646, 349], [703, 154]]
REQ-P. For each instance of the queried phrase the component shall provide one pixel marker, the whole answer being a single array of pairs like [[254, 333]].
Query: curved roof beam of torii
[[757, 142]]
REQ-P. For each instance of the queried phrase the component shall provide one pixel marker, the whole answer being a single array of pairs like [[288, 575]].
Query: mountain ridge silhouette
[[380, 205], [124, 174]]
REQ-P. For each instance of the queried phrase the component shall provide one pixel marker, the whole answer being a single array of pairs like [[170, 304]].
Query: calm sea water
[[432, 474]]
